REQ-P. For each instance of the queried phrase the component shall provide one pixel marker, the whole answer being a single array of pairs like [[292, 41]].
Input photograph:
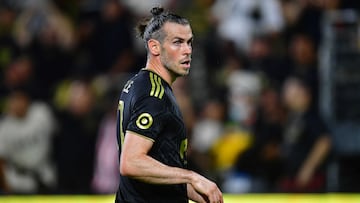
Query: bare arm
[[315, 158], [136, 163]]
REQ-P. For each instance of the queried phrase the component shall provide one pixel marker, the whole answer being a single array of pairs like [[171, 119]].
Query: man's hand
[[195, 196], [207, 189]]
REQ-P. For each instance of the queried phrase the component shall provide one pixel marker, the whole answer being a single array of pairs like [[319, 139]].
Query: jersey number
[[121, 117]]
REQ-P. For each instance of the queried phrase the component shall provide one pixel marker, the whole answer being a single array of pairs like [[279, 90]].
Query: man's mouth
[[186, 62]]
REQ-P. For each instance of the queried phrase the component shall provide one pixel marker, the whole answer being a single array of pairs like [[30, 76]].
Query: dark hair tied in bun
[[150, 28], [156, 11]]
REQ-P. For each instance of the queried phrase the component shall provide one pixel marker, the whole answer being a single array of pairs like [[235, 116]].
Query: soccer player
[[151, 132]]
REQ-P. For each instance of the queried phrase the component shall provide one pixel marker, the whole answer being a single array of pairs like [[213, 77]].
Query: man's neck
[[159, 69]]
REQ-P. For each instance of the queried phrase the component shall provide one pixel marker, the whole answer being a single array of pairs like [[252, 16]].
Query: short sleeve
[[148, 117]]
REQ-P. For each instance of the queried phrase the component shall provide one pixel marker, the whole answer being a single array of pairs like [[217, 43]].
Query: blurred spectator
[[207, 130], [48, 37], [209, 127], [84, 35], [112, 47], [106, 167], [243, 91], [304, 64], [239, 20], [267, 61], [75, 141], [261, 162], [231, 144], [8, 47], [26, 132], [19, 73], [44, 23], [239, 85], [306, 142], [241, 88], [303, 16]]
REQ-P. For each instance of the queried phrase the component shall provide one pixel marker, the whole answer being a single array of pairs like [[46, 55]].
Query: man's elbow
[[125, 169], [128, 167]]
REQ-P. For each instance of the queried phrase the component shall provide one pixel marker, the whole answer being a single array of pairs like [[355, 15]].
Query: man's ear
[[154, 47]]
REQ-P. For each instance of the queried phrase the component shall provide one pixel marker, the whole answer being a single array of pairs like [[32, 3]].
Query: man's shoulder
[[143, 84]]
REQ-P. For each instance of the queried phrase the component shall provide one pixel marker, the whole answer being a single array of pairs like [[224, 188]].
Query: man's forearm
[[136, 163], [149, 170]]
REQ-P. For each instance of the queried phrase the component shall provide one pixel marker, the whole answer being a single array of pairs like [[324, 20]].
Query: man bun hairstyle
[[157, 11], [151, 28]]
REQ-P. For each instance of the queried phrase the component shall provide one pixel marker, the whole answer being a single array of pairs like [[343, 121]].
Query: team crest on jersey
[[144, 121]]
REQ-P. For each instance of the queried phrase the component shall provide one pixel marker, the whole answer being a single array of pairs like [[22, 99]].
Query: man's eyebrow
[[182, 39], [178, 38]]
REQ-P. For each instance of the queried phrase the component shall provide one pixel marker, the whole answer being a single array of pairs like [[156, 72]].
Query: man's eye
[[177, 42]]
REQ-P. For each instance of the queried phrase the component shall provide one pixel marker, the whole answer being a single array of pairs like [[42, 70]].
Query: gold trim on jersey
[[157, 89], [121, 118], [135, 133]]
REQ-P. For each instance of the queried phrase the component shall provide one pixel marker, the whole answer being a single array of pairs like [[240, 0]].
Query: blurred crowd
[[250, 102]]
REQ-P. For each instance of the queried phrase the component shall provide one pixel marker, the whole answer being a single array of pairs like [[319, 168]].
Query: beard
[[172, 67]]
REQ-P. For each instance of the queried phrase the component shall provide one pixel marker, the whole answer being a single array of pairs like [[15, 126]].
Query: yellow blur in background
[[245, 198]]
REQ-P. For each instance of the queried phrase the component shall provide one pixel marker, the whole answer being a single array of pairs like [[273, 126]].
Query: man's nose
[[188, 49]]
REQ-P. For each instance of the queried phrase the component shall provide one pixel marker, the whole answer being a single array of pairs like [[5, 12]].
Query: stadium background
[[63, 63]]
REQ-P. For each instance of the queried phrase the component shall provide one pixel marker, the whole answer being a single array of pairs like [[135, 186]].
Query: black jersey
[[148, 107]]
